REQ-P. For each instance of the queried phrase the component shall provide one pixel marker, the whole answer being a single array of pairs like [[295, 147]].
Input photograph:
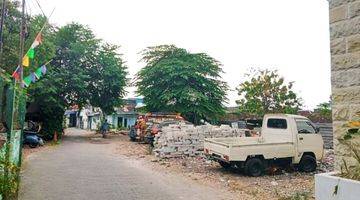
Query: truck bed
[[244, 141], [239, 148]]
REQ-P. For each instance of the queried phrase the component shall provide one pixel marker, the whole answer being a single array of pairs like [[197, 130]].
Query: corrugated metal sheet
[[326, 130]]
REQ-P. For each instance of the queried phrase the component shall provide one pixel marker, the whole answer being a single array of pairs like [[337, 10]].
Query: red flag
[[16, 74]]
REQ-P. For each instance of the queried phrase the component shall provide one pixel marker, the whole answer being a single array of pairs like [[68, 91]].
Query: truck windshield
[[305, 126]]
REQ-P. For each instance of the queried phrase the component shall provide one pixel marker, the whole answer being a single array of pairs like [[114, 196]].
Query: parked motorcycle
[[31, 135]]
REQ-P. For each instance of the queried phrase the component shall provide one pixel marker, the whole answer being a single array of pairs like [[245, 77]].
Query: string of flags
[[30, 54], [34, 76]]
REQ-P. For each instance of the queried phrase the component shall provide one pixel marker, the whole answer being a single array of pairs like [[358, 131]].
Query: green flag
[[38, 73], [31, 53], [27, 81]]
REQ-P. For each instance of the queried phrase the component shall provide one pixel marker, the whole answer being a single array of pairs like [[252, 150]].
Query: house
[[126, 115], [90, 117]]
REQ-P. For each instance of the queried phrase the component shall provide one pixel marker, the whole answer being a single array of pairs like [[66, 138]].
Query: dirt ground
[[279, 185]]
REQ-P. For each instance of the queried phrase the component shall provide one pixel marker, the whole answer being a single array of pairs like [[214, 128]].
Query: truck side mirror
[[317, 130]]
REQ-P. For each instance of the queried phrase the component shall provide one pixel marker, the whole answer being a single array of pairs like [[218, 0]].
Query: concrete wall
[[345, 67]]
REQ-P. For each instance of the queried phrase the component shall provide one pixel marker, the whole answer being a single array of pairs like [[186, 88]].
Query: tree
[[83, 71], [175, 80], [266, 92], [322, 113], [11, 29], [107, 86]]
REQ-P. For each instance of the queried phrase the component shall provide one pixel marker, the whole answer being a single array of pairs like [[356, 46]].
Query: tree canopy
[[322, 113], [175, 80], [84, 69], [265, 91]]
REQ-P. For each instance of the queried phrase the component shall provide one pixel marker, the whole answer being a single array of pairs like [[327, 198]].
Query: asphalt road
[[80, 169]]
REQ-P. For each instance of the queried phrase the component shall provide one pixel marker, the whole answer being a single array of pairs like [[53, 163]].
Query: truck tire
[[254, 167], [225, 165], [307, 163]]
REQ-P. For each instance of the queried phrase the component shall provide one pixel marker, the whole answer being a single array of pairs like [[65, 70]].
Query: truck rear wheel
[[254, 167], [225, 165], [307, 163]]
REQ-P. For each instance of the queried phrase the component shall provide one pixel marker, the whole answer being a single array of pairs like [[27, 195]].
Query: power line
[[37, 2]]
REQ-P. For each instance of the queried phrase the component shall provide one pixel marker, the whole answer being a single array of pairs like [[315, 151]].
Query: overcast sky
[[289, 35]]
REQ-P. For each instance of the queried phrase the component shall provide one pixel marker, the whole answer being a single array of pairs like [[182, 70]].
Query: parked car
[[284, 140]]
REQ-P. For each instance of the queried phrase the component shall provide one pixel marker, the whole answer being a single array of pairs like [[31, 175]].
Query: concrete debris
[[327, 163], [177, 140]]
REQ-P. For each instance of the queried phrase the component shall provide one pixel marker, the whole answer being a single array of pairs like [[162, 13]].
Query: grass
[[297, 196]]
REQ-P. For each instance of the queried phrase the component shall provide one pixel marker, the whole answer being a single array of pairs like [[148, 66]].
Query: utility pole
[[3, 7], [22, 40]]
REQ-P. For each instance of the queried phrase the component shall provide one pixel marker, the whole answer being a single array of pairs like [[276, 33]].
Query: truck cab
[[284, 139]]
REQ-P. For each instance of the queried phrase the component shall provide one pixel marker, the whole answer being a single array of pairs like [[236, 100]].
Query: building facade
[[90, 117], [345, 70]]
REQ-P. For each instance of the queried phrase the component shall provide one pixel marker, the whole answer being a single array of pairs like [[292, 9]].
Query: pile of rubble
[[178, 140]]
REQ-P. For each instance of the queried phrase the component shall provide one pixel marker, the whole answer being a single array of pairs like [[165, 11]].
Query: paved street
[[81, 169]]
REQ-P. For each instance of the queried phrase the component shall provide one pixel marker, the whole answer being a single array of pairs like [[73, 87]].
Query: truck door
[[307, 138]]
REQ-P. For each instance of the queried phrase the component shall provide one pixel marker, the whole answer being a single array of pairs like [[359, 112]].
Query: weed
[[351, 171], [297, 196]]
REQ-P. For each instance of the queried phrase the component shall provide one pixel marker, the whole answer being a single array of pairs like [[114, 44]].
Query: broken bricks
[[177, 140]]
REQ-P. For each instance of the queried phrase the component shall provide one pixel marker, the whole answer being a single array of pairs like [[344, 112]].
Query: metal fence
[[326, 130], [12, 115]]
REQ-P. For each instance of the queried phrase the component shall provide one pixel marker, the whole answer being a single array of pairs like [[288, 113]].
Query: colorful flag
[[16, 74], [27, 81], [37, 41], [38, 73], [31, 53], [26, 61], [43, 69], [33, 77]]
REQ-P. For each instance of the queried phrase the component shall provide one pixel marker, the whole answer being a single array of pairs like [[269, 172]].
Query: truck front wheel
[[254, 167], [307, 163], [225, 165]]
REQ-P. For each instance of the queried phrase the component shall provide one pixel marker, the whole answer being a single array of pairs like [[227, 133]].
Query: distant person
[[104, 128]]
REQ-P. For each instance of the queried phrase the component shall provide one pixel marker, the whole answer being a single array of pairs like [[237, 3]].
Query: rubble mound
[[177, 140]]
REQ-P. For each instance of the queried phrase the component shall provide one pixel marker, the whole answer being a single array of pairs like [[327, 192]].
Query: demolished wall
[[179, 140]]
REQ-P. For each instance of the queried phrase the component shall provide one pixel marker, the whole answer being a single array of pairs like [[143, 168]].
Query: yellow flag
[[26, 61]]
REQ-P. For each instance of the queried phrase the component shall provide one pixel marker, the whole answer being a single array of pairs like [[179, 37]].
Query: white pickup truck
[[284, 140]]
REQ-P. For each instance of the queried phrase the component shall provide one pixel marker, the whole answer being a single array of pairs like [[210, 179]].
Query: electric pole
[[22, 40]]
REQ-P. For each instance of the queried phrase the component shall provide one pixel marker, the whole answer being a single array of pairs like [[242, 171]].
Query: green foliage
[[9, 179], [175, 80], [324, 109], [297, 196], [83, 71], [10, 56], [265, 91], [351, 171], [107, 86]]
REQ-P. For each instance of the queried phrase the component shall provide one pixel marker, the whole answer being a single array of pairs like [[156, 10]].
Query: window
[[305, 126], [277, 123]]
